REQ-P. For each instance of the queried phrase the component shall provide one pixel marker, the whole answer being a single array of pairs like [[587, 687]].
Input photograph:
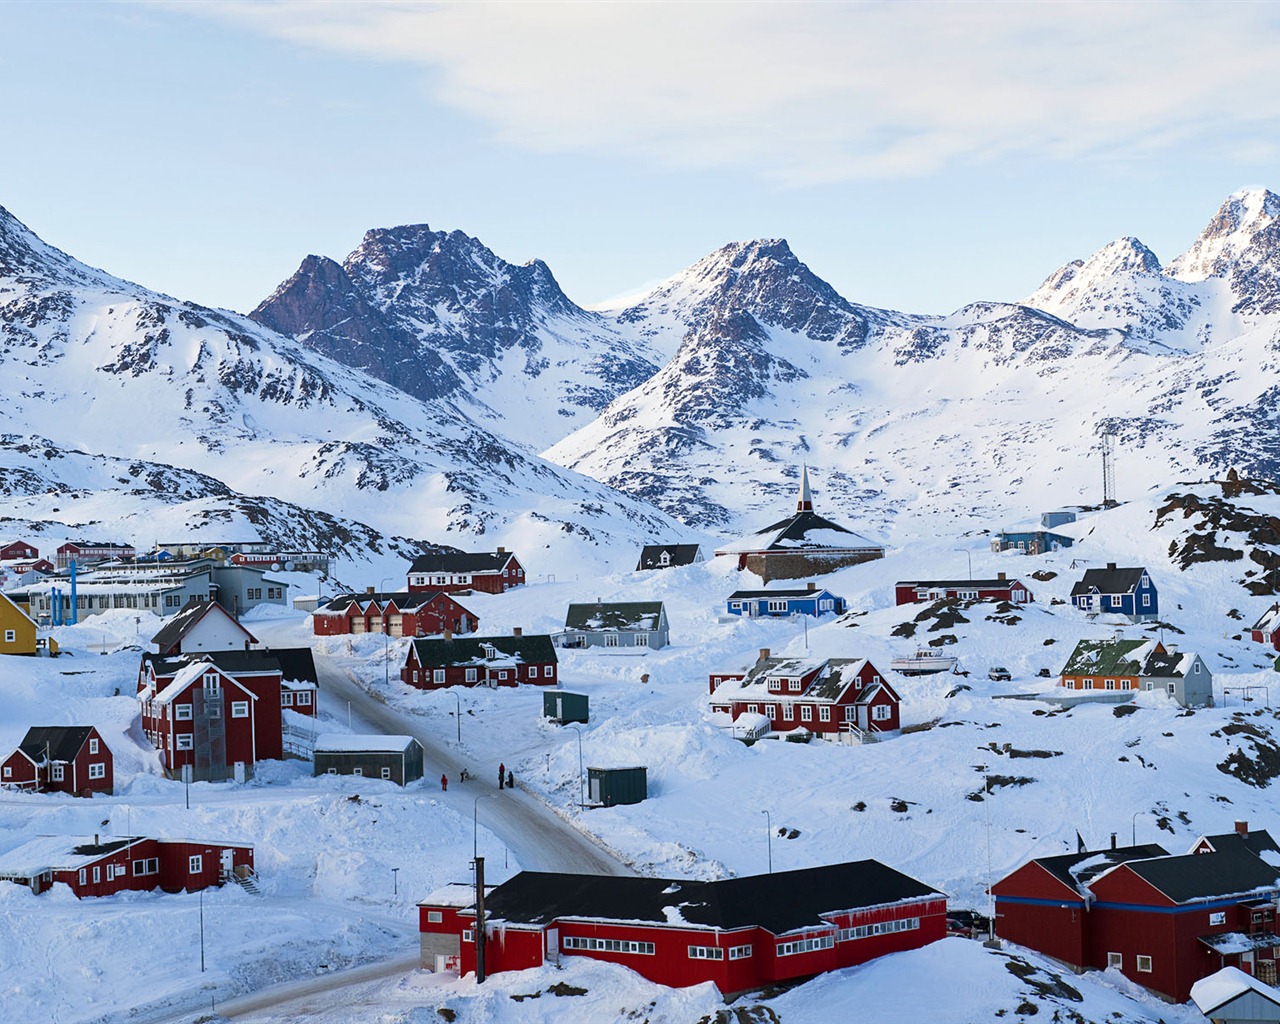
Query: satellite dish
[[288, 566]]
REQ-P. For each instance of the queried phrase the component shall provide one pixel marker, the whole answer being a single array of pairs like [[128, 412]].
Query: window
[[146, 866], [1219, 917], [548, 671], [805, 945], [777, 606], [1116, 960], [93, 746], [185, 741], [97, 874], [195, 864], [213, 711], [607, 945], [1144, 964], [332, 771], [97, 770], [881, 713], [435, 917], [824, 713], [441, 580], [304, 699], [793, 685], [182, 712], [240, 708], [739, 952], [1146, 600], [468, 935], [533, 671], [753, 709], [788, 712], [771, 711], [642, 639], [275, 593], [471, 675], [357, 771], [1196, 668], [437, 676], [735, 606], [56, 773], [862, 931], [806, 713], [825, 605], [386, 773], [1110, 684], [211, 684], [611, 640], [83, 876], [502, 675], [10, 635], [8, 772], [706, 953]]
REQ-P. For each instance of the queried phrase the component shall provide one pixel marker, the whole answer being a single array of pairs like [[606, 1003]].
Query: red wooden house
[[219, 725], [481, 661], [60, 759], [1267, 629], [828, 697], [1164, 921], [490, 572], [738, 933], [998, 589], [84, 551], [19, 550], [291, 669], [415, 613], [202, 626], [103, 867]]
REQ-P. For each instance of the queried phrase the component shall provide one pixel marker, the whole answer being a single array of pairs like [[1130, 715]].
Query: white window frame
[[739, 952], [471, 675], [93, 746], [185, 741], [56, 773], [611, 639], [771, 711], [1143, 959], [533, 671], [706, 953], [10, 636], [98, 770], [1115, 960], [548, 671], [286, 701], [182, 712], [777, 605], [386, 773], [303, 698], [195, 864], [806, 712], [642, 639], [881, 712], [793, 685], [435, 917], [239, 709], [437, 675], [824, 713]]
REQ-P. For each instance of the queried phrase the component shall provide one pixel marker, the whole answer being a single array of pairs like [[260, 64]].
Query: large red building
[[71, 759], [490, 572], [738, 933], [19, 549], [481, 661], [84, 551], [105, 866], [998, 589], [827, 697], [1164, 921], [417, 613]]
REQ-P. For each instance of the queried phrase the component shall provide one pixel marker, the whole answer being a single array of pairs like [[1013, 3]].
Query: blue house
[[1030, 542], [781, 603], [1115, 591]]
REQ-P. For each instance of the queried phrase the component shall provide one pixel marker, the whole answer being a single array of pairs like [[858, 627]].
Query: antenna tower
[[1108, 470]]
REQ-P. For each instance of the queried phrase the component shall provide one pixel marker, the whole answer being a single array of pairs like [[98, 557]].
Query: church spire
[[805, 502]]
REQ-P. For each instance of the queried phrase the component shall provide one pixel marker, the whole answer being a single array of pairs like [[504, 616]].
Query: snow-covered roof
[[190, 674], [46, 853], [1227, 985], [453, 894], [337, 743]]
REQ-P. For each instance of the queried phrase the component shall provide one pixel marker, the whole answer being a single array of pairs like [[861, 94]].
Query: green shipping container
[[562, 706], [609, 786]]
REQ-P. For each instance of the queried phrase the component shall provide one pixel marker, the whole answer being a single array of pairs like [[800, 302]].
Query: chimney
[[1242, 829], [1111, 566], [370, 590], [502, 550], [517, 631], [95, 835], [1113, 840], [1001, 576], [448, 633], [810, 587], [764, 653]]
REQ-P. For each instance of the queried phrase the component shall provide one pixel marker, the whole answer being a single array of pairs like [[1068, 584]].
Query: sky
[[916, 156]]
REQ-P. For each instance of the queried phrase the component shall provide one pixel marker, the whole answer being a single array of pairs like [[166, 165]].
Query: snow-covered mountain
[[214, 407], [978, 415], [440, 316]]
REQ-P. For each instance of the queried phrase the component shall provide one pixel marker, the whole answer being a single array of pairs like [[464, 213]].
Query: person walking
[[502, 774], [511, 780], [444, 783]]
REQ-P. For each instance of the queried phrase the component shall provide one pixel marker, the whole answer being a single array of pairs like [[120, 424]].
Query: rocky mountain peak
[[1226, 237]]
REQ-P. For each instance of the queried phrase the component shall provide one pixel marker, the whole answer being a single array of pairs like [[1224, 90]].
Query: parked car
[[1044, 673], [999, 674]]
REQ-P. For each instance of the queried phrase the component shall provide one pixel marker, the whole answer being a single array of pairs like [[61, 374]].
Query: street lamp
[[459, 702], [202, 931], [968, 555], [395, 882], [582, 793], [475, 822], [1133, 827], [768, 824], [386, 634]]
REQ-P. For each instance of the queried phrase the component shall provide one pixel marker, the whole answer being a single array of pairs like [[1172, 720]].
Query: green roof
[[636, 616], [536, 649], [1104, 657]]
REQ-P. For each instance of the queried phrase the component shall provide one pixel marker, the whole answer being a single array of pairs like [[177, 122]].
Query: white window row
[[739, 952], [608, 945], [147, 866], [863, 931], [806, 945], [706, 953]]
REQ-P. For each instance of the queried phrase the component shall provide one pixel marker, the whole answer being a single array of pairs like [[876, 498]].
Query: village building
[[202, 626], [17, 628], [616, 624], [808, 600], [737, 933], [290, 669], [1114, 591], [85, 552], [999, 589], [72, 759], [1164, 921], [1139, 665], [397, 759], [480, 661], [19, 550], [104, 866], [1230, 996], [413, 613], [1267, 629], [1029, 542], [259, 553], [214, 724], [665, 556], [1060, 517], [831, 698], [490, 572], [805, 544]]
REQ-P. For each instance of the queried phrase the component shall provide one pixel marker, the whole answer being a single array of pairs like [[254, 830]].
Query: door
[[239, 771], [593, 789], [553, 946], [559, 708], [228, 863]]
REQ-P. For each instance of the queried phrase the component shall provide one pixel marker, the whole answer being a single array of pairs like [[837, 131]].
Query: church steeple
[[805, 502]]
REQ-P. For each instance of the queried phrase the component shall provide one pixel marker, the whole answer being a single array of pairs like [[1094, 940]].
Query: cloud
[[817, 92]]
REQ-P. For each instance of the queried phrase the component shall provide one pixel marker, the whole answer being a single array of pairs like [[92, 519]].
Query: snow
[[353, 742], [1225, 985]]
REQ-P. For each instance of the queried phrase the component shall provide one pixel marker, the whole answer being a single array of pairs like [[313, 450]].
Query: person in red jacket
[[502, 775], [444, 783]]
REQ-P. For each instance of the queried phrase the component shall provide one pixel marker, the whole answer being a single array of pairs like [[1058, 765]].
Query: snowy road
[[540, 840]]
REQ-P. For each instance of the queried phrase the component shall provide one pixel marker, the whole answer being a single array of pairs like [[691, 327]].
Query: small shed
[[1233, 997], [395, 758], [562, 706], [609, 786]]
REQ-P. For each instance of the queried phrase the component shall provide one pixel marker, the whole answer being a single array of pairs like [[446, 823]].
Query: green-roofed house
[[619, 624], [481, 661], [1131, 665]]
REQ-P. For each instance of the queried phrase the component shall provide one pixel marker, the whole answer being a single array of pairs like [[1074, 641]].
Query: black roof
[[462, 562], [175, 629], [1163, 664], [65, 741], [1255, 842], [781, 902], [295, 664], [1232, 869], [794, 528], [404, 599], [1060, 866], [96, 849], [1109, 581], [996, 584], [681, 554], [535, 649], [780, 593]]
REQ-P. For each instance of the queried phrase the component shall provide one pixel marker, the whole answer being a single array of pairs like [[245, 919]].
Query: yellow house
[[17, 629]]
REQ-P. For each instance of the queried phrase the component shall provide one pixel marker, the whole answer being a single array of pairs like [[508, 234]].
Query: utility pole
[[479, 928], [1108, 470]]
